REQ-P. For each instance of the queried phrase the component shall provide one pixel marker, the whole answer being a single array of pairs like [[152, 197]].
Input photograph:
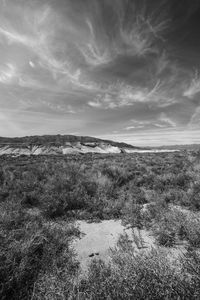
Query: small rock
[[91, 255]]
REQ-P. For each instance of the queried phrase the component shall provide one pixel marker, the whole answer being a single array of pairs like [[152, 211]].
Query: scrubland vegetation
[[41, 197]]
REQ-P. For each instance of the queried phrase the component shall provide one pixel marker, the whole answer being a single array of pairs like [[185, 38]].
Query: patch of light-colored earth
[[151, 151], [97, 239], [45, 150]]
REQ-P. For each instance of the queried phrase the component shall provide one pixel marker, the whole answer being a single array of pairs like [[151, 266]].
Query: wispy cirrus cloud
[[122, 95], [194, 87], [195, 119], [102, 62], [133, 31], [39, 45], [7, 73], [37, 38], [94, 53], [141, 38], [164, 119], [159, 121]]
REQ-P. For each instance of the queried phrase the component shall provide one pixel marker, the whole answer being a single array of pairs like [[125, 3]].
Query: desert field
[[100, 226]]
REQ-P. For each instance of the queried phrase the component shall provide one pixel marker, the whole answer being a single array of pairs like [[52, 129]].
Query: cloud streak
[[107, 64], [194, 87], [122, 95], [7, 73]]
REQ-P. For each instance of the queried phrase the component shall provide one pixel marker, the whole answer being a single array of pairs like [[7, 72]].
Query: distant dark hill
[[59, 140], [60, 144]]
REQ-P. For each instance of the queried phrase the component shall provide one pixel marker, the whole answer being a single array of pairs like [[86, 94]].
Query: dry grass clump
[[174, 225], [140, 275], [30, 248]]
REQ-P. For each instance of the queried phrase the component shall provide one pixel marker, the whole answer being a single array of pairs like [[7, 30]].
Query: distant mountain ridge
[[60, 144], [57, 139]]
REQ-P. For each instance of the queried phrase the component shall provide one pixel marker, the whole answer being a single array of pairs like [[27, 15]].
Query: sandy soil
[[97, 239]]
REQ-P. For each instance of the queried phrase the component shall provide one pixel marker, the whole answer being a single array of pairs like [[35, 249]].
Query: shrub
[[194, 197], [133, 215], [131, 275], [28, 248], [167, 227], [166, 237], [192, 229], [26, 253]]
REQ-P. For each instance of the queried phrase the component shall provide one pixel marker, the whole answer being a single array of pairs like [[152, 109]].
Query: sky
[[126, 70]]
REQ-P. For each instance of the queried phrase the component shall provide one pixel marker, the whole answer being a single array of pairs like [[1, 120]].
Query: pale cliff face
[[70, 148], [66, 149]]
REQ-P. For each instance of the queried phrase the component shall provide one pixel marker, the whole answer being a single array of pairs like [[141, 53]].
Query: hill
[[60, 144]]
